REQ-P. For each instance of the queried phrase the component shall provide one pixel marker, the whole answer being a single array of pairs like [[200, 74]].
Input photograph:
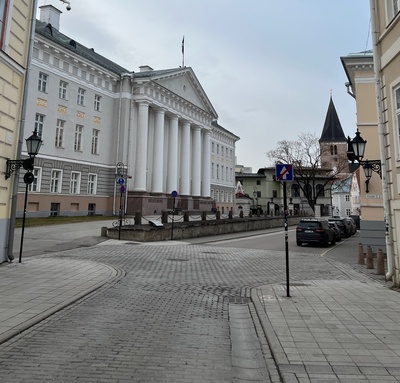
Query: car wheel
[[299, 243]]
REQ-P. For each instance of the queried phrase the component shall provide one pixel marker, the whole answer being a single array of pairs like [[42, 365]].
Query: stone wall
[[194, 229]]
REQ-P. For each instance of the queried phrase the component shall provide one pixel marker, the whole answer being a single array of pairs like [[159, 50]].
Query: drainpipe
[[381, 134], [13, 214]]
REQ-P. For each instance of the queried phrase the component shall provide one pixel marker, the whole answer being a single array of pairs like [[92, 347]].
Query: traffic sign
[[284, 172], [174, 194], [120, 181]]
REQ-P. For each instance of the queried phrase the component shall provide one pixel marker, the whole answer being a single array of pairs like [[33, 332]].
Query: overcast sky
[[267, 66]]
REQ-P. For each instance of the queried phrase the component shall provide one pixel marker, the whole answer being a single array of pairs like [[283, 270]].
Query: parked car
[[338, 233], [343, 226], [353, 226], [313, 230]]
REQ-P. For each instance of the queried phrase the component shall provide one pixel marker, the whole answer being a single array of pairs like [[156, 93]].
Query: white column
[[141, 147], [185, 160], [196, 162], [158, 153], [206, 164], [172, 175]]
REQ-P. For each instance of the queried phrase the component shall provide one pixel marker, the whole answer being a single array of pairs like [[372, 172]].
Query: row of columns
[[194, 166]]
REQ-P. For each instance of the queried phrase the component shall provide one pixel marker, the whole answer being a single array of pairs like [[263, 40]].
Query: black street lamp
[[355, 152], [33, 144]]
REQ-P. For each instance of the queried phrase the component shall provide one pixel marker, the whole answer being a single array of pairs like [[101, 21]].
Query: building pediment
[[180, 82]]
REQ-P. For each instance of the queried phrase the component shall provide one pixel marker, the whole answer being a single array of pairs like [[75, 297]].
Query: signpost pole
[[173, 194], [285, 209], [284, 173]]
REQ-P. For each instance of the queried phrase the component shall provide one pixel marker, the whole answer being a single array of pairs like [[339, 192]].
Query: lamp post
[[33, 144], [355, 152], [120, 180]]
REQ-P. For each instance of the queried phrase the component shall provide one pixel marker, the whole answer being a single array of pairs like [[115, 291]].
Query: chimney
[[145, 68], [50, 15]]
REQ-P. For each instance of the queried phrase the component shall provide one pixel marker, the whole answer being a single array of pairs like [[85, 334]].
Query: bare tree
[[306, 155]]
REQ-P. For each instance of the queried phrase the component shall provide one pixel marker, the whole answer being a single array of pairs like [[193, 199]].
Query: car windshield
[[309, 224]]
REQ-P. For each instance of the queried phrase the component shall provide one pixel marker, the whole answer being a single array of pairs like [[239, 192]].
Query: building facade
[[110, 134], [222, 168], [385, 25], [359, 70], [15, 33]]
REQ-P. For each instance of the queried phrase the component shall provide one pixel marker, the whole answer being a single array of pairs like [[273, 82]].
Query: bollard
[[164, 216], [186, 216], [361, 260], [138, 218], [380, 263], [370, 258], [104, 231]]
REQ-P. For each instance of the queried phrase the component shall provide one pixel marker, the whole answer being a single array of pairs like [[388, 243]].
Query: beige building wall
[[386, 29], [13, 62], [360, 72]]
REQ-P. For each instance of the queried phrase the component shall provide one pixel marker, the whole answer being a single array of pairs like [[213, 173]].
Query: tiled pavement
[[342, 327]]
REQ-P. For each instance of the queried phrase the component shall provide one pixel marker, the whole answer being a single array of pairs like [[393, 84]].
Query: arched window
[[331, 149], [335, 149], [295, 190]]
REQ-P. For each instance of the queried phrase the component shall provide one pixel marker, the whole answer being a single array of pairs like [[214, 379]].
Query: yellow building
[[385, 28], [15, 33], [359, 69]]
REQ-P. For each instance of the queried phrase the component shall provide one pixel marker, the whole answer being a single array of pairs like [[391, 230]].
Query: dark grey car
[[316, 231]]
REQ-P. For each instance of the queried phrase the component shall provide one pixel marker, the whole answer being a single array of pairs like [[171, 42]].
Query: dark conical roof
[[332, 131]]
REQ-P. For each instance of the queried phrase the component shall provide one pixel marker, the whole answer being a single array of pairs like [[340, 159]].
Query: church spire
[[332, 131]]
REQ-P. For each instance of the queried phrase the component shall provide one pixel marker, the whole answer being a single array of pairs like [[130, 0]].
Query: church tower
[[333, 142]]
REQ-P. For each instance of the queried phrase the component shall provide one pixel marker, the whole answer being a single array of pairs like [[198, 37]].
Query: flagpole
[[183, 52]]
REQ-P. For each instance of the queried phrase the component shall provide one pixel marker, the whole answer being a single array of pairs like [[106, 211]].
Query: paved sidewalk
[[34, 289], [332, 331]]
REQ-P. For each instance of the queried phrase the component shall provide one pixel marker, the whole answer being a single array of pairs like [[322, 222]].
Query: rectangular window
[[217, 171], [226, 173], [55, 181], [35, 185], [75, 183], [78, 138], [222, 172], [348, 212], [97, 103], [222, 150], [217, 148], [62, 90], [393, 7], [347, 198], [95, 141], [212, 146], [81, 96], [212, 170], [42, 84], [39, 122], [3, 17], [59, 134], [92, 184]]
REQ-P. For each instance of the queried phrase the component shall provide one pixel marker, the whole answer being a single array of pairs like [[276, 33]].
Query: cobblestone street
[[165, 320]]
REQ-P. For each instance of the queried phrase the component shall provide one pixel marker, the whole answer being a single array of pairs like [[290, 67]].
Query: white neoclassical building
[[98, 120]]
